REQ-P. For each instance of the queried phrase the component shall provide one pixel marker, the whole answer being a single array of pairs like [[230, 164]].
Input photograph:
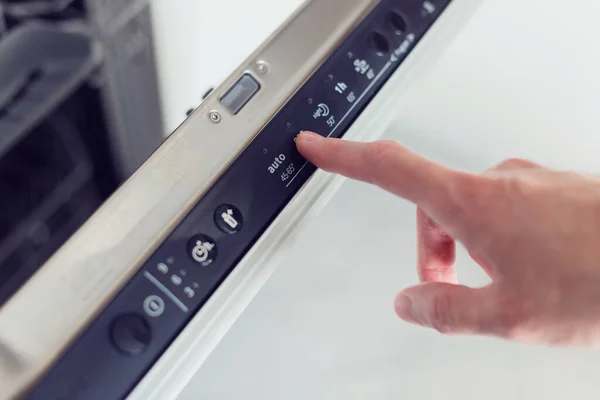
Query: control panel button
[[398, 23], [154, 306], [131, 334], [202, 249], [229, 219], [379, 43], [240, 94]]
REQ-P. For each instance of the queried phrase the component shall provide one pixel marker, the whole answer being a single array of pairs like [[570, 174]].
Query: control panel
[[135, 329]]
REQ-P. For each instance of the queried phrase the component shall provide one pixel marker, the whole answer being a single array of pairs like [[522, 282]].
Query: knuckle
[[510, 318], [471, 192], [441, 314], [378, 155], [509, 188], [513, 163]]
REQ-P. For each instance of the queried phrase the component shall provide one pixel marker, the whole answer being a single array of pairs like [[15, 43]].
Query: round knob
[[131, 334]]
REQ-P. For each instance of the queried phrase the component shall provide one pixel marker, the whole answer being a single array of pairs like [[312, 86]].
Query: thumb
[[454, 309]]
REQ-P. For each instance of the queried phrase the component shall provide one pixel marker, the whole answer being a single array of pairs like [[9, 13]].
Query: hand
[[536, 232]]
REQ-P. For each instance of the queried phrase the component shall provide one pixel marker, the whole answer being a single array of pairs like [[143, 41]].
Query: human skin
[[533, 230]]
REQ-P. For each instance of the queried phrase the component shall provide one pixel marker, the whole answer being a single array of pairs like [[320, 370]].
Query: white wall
[[200, 42], [520, 81]]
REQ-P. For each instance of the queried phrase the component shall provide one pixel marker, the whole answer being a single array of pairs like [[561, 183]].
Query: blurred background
[[90, 88], [80, 109]]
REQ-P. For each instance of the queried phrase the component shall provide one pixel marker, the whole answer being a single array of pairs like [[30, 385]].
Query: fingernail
[[309, 137], [405, 309]]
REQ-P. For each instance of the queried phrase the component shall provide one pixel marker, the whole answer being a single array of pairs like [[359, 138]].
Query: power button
[[131, 334]]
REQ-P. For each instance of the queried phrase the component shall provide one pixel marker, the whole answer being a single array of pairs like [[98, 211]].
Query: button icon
[[361, 66], [322, 111], [428, 8], [176, 280], [228, 219], [341, 87], [189, 292], [154, 306], [202, 250], [162, 268]]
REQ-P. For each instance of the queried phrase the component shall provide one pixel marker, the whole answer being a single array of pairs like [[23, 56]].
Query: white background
[[521, 80], [200, 42]]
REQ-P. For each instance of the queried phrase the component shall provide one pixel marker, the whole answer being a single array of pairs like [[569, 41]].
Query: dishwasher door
[[138, 298]]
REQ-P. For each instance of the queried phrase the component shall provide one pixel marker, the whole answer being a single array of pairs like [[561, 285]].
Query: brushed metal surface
[[48, 313]]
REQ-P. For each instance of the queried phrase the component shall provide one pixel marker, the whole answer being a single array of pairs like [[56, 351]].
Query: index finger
[[436, 189]]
